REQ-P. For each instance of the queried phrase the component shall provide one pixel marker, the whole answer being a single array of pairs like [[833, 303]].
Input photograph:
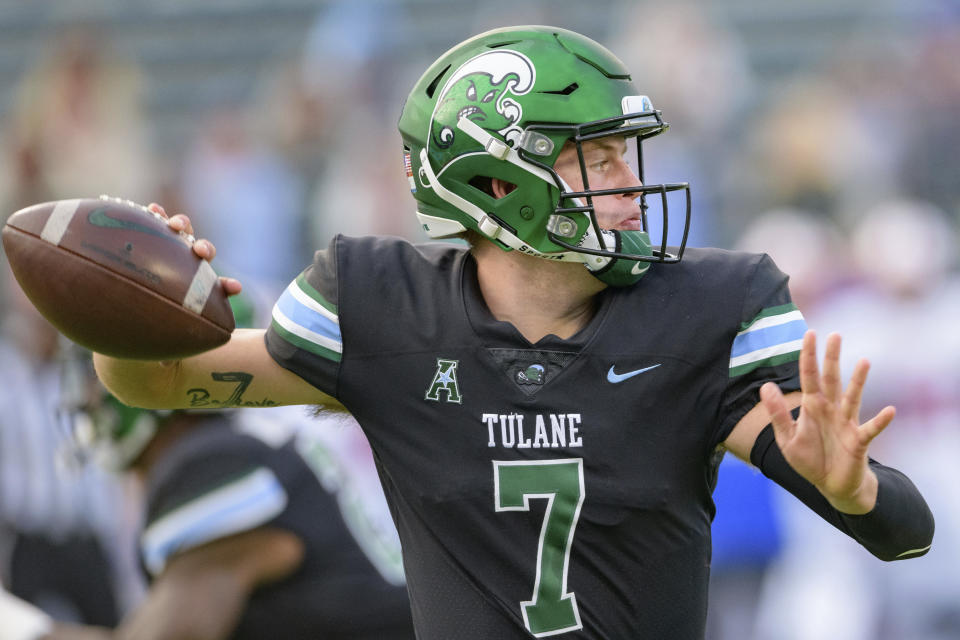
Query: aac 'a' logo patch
[[445, 382]]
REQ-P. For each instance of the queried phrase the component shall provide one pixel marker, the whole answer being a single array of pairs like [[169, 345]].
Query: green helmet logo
[[480, 90]]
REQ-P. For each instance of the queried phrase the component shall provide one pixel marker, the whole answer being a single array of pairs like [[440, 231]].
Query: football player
[[241, 538], [548, 406]]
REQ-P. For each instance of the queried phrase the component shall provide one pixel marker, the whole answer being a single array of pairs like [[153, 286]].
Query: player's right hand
[[202, 247]]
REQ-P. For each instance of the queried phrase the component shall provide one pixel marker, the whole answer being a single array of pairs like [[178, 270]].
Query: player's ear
[[500, 187]]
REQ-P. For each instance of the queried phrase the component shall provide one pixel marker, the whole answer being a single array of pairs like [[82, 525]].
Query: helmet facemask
[[619, 246]]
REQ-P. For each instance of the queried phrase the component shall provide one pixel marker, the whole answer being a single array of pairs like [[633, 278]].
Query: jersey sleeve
[[766, 346], [304, 333], [206, 496]]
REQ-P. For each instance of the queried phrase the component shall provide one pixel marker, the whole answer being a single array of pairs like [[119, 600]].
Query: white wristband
[[21, 620]]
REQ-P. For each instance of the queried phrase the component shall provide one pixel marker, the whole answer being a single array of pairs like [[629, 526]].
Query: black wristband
[[899, 526]]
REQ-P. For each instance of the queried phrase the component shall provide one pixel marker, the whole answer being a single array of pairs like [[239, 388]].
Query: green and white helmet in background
[[106, 432], [113, 435], [502, 105]]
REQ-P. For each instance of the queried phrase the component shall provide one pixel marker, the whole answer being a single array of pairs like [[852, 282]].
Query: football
[[113, 277]]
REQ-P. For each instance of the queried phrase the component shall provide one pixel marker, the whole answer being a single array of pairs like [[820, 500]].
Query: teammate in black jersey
[[241, 540], [548, 406]]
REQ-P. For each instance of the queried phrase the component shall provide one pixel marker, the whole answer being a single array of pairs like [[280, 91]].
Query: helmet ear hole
[[501, 187], [483, 183], [496, 188]]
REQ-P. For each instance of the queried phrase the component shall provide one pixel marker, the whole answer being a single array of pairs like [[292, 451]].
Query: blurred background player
[[240, 537], [61, 525]]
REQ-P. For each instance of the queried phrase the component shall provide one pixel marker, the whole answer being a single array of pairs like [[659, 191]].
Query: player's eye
[[599, 166]]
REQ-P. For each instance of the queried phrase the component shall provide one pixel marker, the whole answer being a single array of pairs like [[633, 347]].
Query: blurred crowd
[[844, 170]]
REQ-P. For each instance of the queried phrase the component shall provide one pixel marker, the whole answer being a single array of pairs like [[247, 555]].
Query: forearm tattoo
[[200, 397]]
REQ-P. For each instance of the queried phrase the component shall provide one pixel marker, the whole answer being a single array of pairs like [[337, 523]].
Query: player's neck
[[536, 296]]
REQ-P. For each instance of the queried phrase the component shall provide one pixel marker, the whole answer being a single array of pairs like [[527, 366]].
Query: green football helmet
[[502, 105], [105, 431], [113, 435]]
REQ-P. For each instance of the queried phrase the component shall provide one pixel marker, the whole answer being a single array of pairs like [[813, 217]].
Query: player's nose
[[626, 177]]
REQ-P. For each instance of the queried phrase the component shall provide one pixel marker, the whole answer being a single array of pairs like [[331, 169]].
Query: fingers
[[181, 224], [205, 249], [231, 286], [850, 406], [809, 371], [831, 383], [875, 426], [776, 405], [178, 222]]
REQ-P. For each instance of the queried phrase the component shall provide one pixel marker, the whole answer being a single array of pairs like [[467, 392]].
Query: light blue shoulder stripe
[[244, 504], [309, 318], [748, 342]]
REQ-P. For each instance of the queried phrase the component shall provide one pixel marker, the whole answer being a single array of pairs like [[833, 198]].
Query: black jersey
[[216, 481], [556, 488]]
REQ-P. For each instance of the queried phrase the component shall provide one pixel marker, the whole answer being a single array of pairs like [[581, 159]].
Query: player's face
[[607, 168]]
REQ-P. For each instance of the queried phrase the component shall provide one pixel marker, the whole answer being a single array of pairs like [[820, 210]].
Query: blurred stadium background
[[824, 132]]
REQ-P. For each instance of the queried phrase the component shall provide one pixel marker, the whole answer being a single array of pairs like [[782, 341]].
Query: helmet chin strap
[[487, 226], [621, 272], [500, 149]]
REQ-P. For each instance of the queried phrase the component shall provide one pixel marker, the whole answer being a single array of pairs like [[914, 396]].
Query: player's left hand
[[827, 445]]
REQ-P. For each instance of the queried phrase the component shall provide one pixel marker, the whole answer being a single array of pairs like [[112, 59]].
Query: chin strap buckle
[[488, 227], [495, 147]]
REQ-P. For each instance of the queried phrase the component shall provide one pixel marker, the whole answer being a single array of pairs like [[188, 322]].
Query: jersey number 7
[[552, 609]]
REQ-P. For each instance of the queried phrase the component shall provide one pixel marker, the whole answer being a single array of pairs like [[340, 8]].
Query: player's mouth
[[631, 224]]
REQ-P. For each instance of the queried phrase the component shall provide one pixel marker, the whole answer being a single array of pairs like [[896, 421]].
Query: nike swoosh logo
[[638, 268], [99, 218], [620, 377]]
